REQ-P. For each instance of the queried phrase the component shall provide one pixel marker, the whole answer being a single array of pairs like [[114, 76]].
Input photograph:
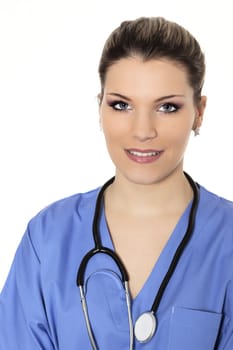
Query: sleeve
[[23, 323]]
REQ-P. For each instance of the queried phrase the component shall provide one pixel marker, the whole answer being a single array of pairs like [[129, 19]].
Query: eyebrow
[[157, 100]]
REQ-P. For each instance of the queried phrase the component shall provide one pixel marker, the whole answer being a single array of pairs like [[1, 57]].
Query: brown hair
[[154, 38]]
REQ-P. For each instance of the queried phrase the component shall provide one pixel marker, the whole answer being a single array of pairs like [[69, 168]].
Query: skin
[[144, 123], [137, 114]]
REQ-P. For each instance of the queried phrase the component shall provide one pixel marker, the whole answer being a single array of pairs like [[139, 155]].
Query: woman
[[174, 237]]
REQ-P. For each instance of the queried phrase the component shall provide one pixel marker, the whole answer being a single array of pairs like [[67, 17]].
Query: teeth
[[143, 154]]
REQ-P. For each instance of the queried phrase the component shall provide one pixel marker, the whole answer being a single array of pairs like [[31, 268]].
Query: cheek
[[112, 136], [178, 135], [113, 130]]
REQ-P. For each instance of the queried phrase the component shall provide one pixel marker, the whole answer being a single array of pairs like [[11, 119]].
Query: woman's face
[[147, 114]]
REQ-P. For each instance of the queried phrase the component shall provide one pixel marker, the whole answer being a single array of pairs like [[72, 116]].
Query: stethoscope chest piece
[[145, 327], [146, 324]]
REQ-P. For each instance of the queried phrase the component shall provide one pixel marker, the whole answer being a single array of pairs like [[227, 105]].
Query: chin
[[144, 180], [150, 177]]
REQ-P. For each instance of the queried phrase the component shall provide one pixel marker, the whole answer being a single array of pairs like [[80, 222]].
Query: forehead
[[132, 74]]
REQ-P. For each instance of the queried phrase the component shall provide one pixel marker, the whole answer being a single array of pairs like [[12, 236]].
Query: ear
[[100, 124], [99, 106], [99, 99], [200, 109]]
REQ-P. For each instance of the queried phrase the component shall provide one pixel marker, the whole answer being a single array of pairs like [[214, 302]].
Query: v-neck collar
[[145, 298]]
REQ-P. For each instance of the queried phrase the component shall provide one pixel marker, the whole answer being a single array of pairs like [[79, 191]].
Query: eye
[[120, 105], [169, 108]]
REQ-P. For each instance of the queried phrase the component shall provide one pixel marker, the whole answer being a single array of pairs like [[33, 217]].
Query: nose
[[144, 126]]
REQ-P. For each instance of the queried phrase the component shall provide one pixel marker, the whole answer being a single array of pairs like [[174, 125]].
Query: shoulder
[[66, 207], [215, 224], [61, 220], [216, 205]]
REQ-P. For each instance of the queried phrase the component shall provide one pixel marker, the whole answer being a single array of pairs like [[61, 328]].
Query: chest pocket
[[193, 329]]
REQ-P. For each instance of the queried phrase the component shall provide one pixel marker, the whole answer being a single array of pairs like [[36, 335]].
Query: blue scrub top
[[40, 303]]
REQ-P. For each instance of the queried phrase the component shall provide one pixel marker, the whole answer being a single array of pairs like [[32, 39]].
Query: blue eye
[[169, 108], [120, 105]]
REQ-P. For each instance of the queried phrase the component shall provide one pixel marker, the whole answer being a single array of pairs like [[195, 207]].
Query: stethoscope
[[146, 324]]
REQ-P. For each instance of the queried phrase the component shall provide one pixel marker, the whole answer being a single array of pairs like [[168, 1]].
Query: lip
[[143, 156]]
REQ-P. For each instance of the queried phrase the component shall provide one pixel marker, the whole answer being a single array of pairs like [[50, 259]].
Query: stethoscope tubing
[[106, 251], [98, 248], [182, 245], [95, 224]]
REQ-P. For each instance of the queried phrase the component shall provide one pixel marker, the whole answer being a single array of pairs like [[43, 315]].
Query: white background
[[50, 143]]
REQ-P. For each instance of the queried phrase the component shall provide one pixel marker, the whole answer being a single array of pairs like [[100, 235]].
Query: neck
[[171, 194]]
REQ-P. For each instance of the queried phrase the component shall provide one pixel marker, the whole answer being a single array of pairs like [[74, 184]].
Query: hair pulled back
[[155, 38]]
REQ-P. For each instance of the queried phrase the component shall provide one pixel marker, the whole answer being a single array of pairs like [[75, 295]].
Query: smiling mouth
[[144, 153]]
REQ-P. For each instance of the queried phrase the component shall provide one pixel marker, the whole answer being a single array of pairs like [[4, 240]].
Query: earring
[[197, 131]]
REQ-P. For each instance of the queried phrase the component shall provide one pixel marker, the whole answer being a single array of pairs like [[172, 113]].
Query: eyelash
[[170, 105], [113, 105], [175, 106]]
